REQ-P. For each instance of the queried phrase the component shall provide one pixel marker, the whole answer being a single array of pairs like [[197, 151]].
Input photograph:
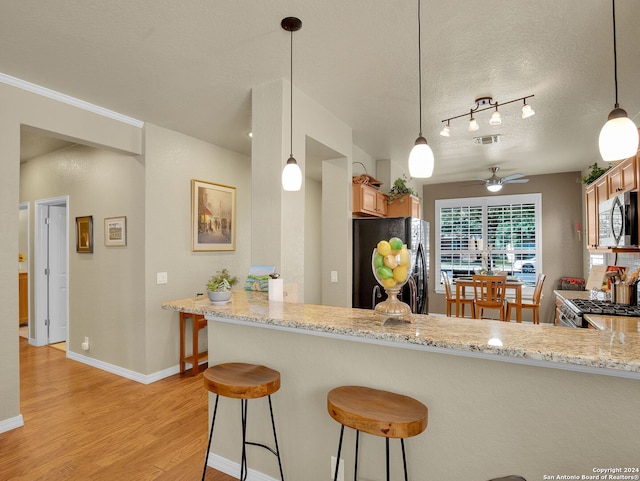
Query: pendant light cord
[[615, 53], [419, 70], [291, 102]]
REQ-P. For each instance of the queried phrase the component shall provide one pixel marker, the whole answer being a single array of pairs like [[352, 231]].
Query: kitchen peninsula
[[540, 420]]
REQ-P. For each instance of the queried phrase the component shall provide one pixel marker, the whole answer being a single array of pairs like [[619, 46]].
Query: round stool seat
[[381, 413], [241, 381]]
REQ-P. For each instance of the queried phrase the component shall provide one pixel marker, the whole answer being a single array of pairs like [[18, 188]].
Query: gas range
[[572, 310]]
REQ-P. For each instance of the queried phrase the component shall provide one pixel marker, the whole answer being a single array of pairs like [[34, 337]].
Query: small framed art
[[84, 234], [115, 231]]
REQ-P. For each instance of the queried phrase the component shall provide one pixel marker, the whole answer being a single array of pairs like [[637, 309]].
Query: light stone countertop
[[587, 350]]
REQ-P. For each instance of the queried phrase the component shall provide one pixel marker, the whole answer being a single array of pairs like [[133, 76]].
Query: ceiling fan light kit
[[421, 159], [487, 103], [495, 183], [619, 136]]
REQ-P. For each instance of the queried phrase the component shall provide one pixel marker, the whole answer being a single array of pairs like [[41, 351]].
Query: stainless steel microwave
[[618, 221]]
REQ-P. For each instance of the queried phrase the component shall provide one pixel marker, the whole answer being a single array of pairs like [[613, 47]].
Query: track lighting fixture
[[486, 103], [473, 124], [495, 119], [291, 174], [619, 136], [421, 156]]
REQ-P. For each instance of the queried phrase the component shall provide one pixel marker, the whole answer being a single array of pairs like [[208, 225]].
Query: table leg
[[196, 351], [182, 328], [518, 304]]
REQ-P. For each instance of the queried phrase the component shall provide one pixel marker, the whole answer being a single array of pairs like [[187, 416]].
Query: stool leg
[[404, 460], [355, 466], [335, 477], [275, 438], [243, 461], [387, 454], [213, 421]]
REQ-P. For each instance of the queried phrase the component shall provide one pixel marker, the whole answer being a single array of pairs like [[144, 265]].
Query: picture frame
[[115, 231], [84, 234], [213, 216]]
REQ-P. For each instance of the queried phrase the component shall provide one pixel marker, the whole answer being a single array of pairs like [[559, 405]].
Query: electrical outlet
[[161, 278], [340, 468]]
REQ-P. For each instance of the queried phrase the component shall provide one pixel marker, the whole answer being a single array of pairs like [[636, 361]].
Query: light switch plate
[[161, 278], [334, 276]]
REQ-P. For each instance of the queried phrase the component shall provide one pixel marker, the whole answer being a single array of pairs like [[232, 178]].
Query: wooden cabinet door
[[368, 201], [602, 188], [591, 203], [623, 177]]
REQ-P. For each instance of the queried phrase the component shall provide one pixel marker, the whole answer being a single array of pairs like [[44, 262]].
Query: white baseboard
[[11, 423], [120, 371], [233, 469]]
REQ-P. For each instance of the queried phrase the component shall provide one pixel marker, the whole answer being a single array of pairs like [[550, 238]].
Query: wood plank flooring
[[82, 423]]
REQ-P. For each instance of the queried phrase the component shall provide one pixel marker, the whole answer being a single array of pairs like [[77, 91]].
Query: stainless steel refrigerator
[[367, 232]]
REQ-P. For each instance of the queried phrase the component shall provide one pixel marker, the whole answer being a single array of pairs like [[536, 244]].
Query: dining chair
[[452, 299], [534, 305], [488, 293]]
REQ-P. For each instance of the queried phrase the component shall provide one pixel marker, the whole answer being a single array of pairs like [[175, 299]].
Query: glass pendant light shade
[[473, 125], [446, 131], [495, 118], [494, 187], [618, 137], [291, 175], [527, 111], [421, 159]]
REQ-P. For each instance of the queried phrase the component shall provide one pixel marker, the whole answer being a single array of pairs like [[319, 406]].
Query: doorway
[[51, 266]]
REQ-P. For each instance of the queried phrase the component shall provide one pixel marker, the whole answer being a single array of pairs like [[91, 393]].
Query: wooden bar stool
[[244, 382], [381, 413]]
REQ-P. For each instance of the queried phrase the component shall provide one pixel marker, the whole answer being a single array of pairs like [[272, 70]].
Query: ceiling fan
[[495, 183]]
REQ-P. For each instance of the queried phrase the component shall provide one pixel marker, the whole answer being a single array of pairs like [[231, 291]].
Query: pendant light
[[421, 156], [291, 174], [619, 136]]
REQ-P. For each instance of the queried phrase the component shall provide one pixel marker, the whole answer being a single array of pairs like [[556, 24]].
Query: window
[[499, 233]]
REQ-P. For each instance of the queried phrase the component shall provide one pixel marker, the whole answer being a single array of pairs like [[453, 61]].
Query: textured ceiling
[[190, 66]]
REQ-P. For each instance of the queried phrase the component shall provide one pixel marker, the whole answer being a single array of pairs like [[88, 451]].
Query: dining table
[[513, 284]]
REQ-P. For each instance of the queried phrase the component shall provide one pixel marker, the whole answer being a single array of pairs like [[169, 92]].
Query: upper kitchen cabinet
[[623, 177], [591, 207], [368, 201], [406, 205]]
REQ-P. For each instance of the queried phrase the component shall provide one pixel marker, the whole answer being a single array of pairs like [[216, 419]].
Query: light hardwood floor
[[82, 423]]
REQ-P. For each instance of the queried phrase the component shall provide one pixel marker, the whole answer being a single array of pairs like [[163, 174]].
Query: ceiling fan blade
[[513, 176], [515, 181]]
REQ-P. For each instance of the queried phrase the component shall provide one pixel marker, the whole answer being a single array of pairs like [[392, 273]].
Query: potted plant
[[219, 286], [400, 189], [596, 171]]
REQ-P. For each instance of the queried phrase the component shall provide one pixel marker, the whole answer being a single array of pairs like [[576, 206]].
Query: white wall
[[279, 230], [20, 107], [172, 160], [106, 285]]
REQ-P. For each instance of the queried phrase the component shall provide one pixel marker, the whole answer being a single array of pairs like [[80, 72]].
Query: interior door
[[58, 276]]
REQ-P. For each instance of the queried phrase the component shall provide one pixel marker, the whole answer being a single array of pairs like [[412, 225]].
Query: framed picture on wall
[[115, 231], [213, 216], [84, 234]]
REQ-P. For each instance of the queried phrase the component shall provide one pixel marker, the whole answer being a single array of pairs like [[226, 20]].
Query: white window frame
[[484, 202]]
